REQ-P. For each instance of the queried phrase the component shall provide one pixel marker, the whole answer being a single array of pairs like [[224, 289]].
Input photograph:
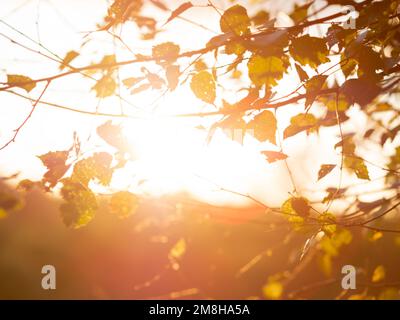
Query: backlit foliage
[[339, 70]]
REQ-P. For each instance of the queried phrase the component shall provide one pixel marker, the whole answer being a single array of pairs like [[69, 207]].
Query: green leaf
[[265, 70], [20, 81], [325, 169], [71, 55], [123, 204], [235, 20], [310, 51], [264, 126], [203, 86], [299, 123]]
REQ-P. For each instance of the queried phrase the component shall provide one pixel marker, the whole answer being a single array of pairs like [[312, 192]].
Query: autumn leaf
[[264, 126], [332, 103], [80, 204], [328, 222], [105, 87], [313, 87], [203, 86], [55, 163], [9, 202], [166, 52], [123, 204], [301, 73], [361, 91], [325, 169], [71, 55], [265, 70], [273, 156], [299, 123], [358, 166], [300, 12], [260, 18], [378, 274], [273, 290], [235, 20], [178, 11], [141, 88], [172, 74], [113, 135], [159, 5], [308, 50], [94, 167], [295, 210], [176, 253], [130, 82], [20, 81]]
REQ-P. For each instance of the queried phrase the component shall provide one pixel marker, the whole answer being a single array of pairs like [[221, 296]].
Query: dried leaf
[[325, 169], [20, 81], [273, 156], [178, 11]]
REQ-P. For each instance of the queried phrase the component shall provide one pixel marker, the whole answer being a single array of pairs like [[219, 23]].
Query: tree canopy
[[343, 56]]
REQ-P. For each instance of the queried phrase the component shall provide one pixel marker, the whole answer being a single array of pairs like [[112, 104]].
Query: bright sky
[[172, 155]]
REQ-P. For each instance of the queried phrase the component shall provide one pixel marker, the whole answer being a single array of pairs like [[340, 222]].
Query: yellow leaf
[[80, 206], [325, 263], [203, 86], [389, 294], [235, 20], [375, 236], [358, 166], [273, 290], [178, 249], [378, 274], [309, 50], [71, 55], [299, 123], [166, 52], [20, 81], [3, 213], [296, 205], [105, 87], [328, 223], [265, 70], [264, 126], [123, 204]]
